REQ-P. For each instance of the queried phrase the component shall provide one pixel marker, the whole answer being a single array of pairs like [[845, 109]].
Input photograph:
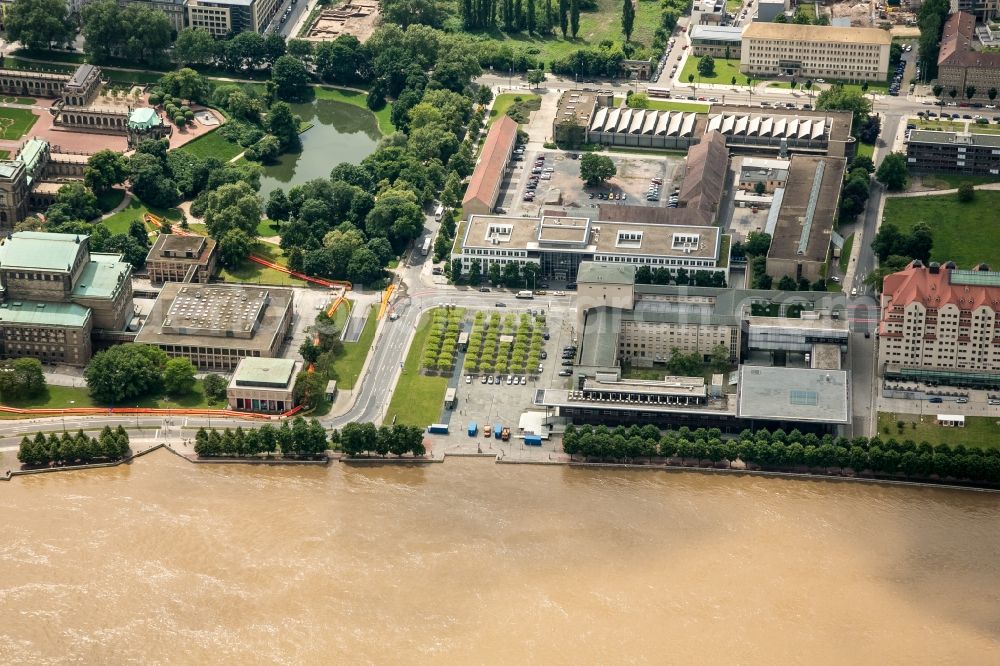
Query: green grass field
[[845, 252], [663, 105], [18, 100], [119, 222], [213, 144], [384, 116], [16, 63], [347, 368], [725, 70], [265, 228], [938, 124], [14, 123], [4, 154], [951, 181], [981, 432], [595, 27], [418, 399], [958, 228], [65, 397], [505, 101], [976, 128], [251, 272], [865, 149]]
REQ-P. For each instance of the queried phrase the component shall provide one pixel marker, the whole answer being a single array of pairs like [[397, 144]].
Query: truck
[[505, 434], [497, 429], [473, 428], [438, 428], [525, 293], [532, 440]]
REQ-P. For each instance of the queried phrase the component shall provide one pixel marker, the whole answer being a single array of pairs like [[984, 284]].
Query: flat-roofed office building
[[217, 325], [815, 51], [265, 385]]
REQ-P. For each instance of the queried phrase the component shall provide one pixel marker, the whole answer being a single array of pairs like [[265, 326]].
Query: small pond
[[340, 133]]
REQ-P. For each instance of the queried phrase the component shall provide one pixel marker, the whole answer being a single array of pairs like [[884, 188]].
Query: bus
[[658, 92], [439, 213], [524, 293], [425, 250]]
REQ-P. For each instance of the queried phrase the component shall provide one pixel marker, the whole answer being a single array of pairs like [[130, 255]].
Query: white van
[[439, 212]]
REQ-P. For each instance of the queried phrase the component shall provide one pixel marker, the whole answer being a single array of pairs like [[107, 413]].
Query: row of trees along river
[[793, 451], [75, 449]]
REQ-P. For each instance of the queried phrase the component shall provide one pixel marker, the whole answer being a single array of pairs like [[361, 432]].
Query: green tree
[[757, 243], [125, 372], [706, 66], [637, 101], [21, 378], [966, 192], [684, 365], [278, 206], [214, 387], [39, 24], [291, 78], [178, 376], [195, 46], [839, 98], [232, 206], [596, 169], [937, 89], [759, 188], [234, 248], [719, 360], [628, 19], [952, 93], [282, 123], [970, 92], [787, 283], [104, 170], [536, 76], [564, 17], [74, 201], [186, 84], [992, 94], [893, 172], [574, 17]]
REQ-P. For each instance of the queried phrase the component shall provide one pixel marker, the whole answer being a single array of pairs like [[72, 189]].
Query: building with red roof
[[484, 187], [942, 319]]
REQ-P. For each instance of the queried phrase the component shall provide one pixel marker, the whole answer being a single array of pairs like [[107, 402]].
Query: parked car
[[489, 380], [498, 304], [468, 379], [485, 379], [936, 400], [485, 290], [565, 373], [962, 401]]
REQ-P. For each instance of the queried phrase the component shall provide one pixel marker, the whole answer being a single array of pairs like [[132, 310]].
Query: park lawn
[[981, 432], [347, 367], [724, 72], [129, 77], [119, 222], [108, 200], [67, 397], [865, 150], [255, 273], [10, 62], [943, 181], [17, 100], [958, 228], [595, 27], [661, 105], [213, 144], [265, 228], [359, 99], [14, 123], [418, 399], [845, 253], [808, 9], [4, 154], [505, 101]]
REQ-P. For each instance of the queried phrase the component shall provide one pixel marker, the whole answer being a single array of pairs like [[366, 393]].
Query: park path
[[126, 200]]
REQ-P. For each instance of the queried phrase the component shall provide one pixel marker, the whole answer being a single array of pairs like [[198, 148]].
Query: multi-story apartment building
[[953, 152], [815, 51], [225, 17], [942, 324], [982, 10], [718, 41], [960, 66], [56, 294]]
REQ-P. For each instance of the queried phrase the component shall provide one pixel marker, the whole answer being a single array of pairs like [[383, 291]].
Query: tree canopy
[[596, 169], [125, 372]]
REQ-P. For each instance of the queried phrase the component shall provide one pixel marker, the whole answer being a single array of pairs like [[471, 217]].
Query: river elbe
[[470, 562]]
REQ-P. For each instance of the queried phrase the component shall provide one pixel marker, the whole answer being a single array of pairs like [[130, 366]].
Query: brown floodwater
[[472, 562]]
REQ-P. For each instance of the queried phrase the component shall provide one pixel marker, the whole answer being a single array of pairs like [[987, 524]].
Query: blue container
[[438, 428], [532, 440], [496, 430], [473, 428]]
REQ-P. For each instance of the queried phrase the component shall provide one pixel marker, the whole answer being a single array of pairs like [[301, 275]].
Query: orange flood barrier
[[146, 411]]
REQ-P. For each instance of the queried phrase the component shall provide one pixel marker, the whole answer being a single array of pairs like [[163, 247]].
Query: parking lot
[[558, 183], [503, 403]]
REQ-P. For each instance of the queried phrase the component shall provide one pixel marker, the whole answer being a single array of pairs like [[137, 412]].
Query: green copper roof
[[32, 313], [144, 118], [264, 372], [34, 249], [102, 276]]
